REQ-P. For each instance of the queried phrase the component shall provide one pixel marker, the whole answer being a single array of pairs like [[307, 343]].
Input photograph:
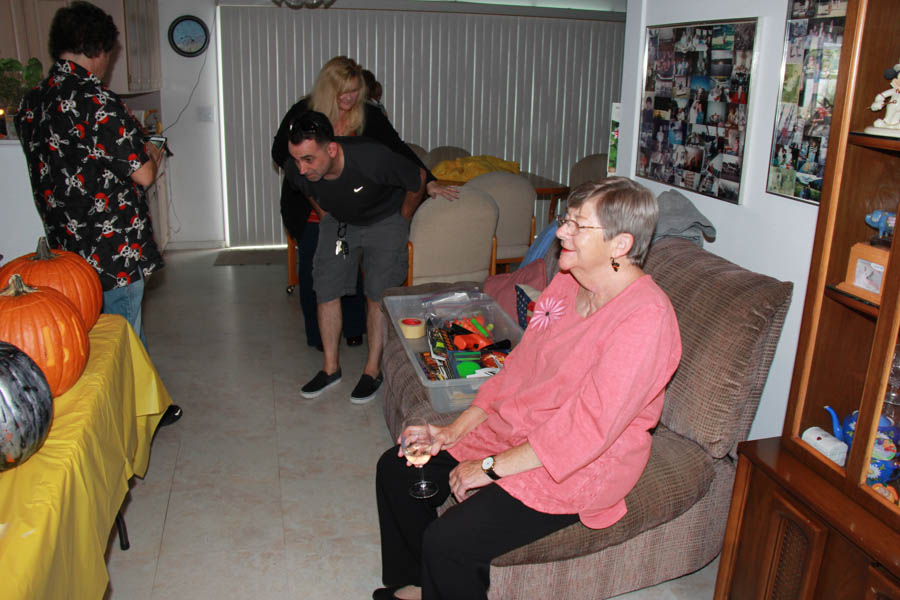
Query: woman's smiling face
[[347, 99], [585, 248]]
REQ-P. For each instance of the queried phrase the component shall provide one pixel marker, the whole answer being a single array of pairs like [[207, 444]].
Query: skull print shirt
[[82, 144]]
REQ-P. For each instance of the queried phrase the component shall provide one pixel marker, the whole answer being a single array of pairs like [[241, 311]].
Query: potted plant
[[15, 81]]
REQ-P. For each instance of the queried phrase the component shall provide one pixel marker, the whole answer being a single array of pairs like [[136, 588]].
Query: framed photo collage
[[693, 118]]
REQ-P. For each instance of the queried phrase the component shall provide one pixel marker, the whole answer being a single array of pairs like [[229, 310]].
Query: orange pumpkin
[[46, 326], [65, 272]]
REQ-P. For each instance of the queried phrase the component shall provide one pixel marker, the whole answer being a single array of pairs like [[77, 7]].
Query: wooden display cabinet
[[799, 523]]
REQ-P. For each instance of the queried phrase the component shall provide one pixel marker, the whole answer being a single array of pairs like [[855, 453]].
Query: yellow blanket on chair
[[468, 167]]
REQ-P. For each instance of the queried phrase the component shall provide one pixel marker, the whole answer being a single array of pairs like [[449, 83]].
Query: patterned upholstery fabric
[[730, 320], [727, 317]]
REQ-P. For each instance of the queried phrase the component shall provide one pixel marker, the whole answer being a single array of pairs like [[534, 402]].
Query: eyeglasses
[[572, 225], [306, 125]]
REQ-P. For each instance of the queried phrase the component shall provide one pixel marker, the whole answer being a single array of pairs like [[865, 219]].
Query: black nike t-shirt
[[371, 187]]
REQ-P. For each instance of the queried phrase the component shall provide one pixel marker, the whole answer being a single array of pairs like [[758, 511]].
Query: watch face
[[188, 36], [487, 463]]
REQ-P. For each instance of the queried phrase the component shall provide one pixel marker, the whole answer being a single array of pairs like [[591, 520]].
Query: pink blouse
[[584, 392]]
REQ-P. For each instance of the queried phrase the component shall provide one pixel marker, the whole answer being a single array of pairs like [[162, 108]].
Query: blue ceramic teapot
[[883, 466]]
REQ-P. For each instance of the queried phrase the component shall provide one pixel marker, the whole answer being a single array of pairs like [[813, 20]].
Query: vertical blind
[[535, 90]]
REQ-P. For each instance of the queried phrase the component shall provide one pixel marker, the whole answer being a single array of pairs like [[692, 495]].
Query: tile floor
[[256, 492]]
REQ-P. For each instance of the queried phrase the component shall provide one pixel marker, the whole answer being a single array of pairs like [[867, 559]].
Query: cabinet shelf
[[876, 142], [855, 302]]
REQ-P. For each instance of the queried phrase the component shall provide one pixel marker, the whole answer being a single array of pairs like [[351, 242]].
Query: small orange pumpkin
[[64, 271], [46, 326]]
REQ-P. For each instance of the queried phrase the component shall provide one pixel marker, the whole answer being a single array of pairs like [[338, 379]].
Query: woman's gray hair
[[621, 206]]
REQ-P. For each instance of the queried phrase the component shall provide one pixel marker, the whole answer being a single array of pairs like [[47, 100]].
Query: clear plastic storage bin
[[450, 395]]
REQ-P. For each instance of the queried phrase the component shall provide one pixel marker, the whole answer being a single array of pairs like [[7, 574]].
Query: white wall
[[20, 225], [766, 233], [196, 213]]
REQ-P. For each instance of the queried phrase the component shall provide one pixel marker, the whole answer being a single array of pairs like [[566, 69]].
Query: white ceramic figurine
[[889, 100]]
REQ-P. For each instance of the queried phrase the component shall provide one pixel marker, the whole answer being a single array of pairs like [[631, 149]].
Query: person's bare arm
[[468, 475], [146, 174], [413, 199]]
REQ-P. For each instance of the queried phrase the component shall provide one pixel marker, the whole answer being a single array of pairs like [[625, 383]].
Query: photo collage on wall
[[694, 106], [812, 53]]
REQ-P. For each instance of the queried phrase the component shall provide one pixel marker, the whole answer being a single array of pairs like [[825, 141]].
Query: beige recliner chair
[[453, 241], [418, 151], [436, 155], [589, 168], [515, 196]]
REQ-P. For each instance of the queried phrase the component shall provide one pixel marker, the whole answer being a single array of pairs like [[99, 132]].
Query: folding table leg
[[123, 532]]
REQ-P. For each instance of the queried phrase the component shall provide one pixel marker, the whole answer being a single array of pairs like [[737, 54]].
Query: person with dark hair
[[365, 196], [543, 448], [374, 91], [89, 163]]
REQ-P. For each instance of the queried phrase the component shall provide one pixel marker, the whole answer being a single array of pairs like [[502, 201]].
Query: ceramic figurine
[[889, 100], [883, 221]]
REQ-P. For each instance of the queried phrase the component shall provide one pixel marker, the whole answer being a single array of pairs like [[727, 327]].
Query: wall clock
[[188, 36]]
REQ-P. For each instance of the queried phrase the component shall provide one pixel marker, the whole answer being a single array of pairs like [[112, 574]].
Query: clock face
[[188, 36]]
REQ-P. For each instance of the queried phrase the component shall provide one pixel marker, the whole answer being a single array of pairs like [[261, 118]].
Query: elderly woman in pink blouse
[[561, 434]]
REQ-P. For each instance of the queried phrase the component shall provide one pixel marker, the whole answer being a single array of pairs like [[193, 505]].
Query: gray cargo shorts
[[379, 247]]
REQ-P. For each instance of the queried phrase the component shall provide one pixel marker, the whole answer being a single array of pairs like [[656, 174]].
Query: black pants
[[353, 307], [449, 557]]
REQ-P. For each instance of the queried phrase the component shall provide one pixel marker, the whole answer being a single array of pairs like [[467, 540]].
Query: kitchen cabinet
[[135, 67], [800, 522]]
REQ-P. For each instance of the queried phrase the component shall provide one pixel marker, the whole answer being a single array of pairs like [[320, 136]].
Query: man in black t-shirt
[[365, 195]]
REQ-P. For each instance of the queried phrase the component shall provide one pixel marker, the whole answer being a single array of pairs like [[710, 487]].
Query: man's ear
[[332, 149]]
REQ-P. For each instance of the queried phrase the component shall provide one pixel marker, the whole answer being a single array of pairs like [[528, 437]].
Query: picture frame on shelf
[[695, 104], [865, 272], [813, 36]]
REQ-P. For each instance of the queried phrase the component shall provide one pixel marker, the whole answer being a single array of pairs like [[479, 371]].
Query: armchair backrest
[[418, 151], [730, 320], [515, 196], [436, 155], [589, 168], [453, 241]]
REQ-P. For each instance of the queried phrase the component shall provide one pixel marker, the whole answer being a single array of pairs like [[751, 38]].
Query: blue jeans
[[126, 301]]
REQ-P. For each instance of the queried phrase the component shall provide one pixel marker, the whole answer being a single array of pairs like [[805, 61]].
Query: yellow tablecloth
[[58, 508]]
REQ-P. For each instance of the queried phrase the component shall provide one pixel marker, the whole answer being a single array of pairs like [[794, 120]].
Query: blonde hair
[[337, 76]]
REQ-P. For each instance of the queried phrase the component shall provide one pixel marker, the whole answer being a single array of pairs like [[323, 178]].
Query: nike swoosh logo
[[357, 190]]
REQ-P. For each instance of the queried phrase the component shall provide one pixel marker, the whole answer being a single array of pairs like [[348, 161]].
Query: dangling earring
[[615, 265]]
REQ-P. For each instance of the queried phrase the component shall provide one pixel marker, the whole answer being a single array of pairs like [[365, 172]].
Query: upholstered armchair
[[453, 240], [515, 198]]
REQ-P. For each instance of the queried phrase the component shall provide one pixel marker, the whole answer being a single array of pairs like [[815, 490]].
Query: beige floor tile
[[343, 568], [227, 575], [232, 514]]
